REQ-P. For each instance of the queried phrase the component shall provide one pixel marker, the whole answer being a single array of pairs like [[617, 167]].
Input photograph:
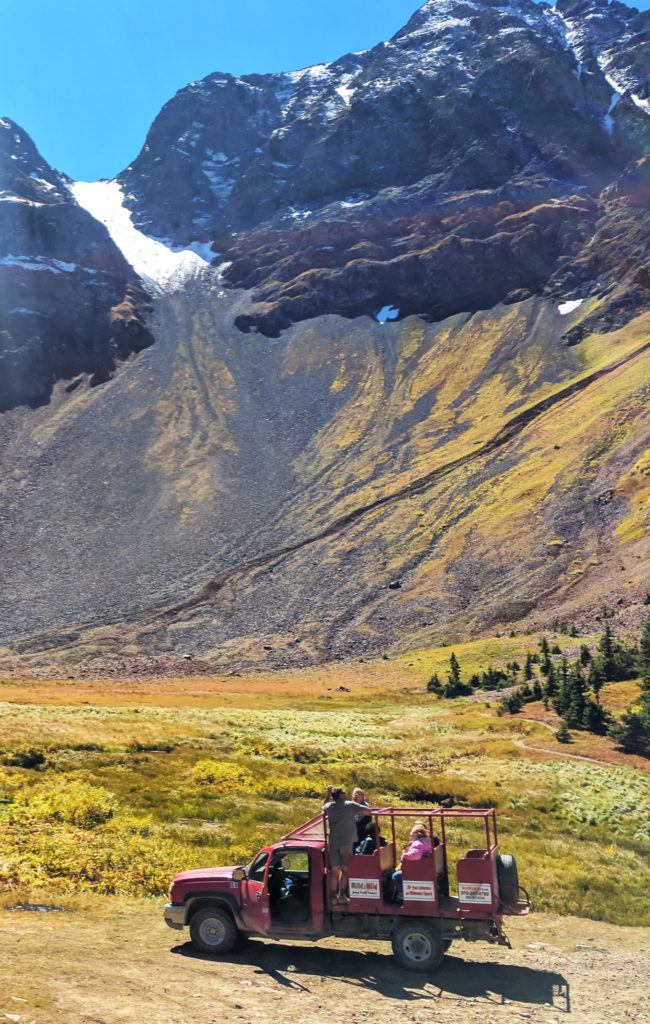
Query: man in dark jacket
[[341, 817]]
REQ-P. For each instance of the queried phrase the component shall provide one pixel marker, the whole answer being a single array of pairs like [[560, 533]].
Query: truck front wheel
[[417, 946], [213, 930]]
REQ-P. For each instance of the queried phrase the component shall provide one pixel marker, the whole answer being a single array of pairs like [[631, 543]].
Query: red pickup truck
[[283, 892]]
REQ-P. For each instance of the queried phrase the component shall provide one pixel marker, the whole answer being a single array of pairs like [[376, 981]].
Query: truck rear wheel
[[212, 930], [508, 879], [417, 946]]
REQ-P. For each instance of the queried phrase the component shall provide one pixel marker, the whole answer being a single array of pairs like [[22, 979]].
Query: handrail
[[317, 824]]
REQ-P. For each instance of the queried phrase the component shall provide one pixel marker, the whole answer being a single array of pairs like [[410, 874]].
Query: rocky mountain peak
[[24, 174], [69, 302]]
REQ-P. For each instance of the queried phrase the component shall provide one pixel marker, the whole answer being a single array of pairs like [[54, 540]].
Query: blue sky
[[85, 78]]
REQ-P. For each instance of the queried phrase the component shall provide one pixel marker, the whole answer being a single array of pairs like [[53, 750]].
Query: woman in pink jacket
[[419, 846]]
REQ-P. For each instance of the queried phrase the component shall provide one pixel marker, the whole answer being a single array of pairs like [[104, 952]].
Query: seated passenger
[[419, 847], [368, 842], [359, 797]]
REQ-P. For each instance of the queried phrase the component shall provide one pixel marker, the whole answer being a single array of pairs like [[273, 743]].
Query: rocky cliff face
[[408, 400], [69, 302], [411, 174]]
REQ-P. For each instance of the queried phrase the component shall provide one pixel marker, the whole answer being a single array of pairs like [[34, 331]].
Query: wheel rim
[[212, 931], [417, 947]]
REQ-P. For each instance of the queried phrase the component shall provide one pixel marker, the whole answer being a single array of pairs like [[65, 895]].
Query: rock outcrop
[[69, 302]]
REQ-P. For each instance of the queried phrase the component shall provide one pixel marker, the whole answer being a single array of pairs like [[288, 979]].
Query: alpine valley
[[350, 360]]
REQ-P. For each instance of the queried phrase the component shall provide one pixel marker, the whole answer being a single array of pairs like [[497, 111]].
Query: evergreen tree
[[595, 678], [644, 657], [550, 686], [576, 700], [528, 668], [454, 670], [594, 718], [585, 655], [434, 685], [632, 732], [563, 735], [606, 648], [455, 686], [558, 691], [537, 690]]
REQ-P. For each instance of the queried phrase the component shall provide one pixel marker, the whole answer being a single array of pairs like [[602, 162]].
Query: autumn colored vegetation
[[116, 793]]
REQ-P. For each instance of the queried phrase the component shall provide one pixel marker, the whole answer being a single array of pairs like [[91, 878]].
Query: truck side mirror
[[238, 875]]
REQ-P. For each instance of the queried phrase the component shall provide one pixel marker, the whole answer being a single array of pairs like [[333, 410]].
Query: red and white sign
[[364, 888], [419, 891], [474, 892]]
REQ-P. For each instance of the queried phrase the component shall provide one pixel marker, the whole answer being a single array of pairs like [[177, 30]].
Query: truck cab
[[283, 893]]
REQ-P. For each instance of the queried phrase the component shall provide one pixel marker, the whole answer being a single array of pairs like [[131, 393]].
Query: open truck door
[[255, 909]]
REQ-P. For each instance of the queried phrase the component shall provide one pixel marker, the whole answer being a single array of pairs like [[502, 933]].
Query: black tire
[[417, 946], [212, 930], [508, 879]]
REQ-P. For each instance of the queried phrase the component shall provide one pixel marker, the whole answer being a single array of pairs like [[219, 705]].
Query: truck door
[[255, 895]]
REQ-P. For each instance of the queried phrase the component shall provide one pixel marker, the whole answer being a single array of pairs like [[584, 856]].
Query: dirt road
[[114, 961]]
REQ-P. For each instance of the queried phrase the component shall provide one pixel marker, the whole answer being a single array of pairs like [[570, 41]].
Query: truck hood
[[204, 875]]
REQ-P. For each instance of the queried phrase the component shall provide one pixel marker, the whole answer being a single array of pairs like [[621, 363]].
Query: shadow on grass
[[294, 967]]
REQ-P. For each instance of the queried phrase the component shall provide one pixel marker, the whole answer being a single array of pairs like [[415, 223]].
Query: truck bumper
[[175, 915]]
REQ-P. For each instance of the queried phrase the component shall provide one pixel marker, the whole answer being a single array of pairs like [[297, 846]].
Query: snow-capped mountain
[[354, 170], [469, 94]]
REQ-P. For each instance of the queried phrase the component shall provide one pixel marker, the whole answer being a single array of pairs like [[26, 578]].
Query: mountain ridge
[[274, 473]]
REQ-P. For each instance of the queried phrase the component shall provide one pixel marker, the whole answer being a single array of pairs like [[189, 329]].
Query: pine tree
[[454, 670], [644, 657], [563, 735], [594, 718], [550, 687], [528, 668], [595, 679], [455, 687], [537, 690], [585, 655], [606, 648], [576, 700], [558, 692], [434, 685], [631, 733]]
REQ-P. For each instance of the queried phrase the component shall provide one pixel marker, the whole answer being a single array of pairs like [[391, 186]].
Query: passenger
[[419, 847], [369, 842], [342, 828], [359, 797]]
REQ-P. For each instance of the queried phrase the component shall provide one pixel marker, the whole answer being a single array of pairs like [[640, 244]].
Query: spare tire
[[508, 879]]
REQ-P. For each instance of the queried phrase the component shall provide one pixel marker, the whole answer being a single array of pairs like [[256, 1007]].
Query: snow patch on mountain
[[568, 307], [43, 263], [159, 266]]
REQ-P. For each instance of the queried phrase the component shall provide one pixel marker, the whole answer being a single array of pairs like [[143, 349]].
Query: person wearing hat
[[341, 817], [416, 849]]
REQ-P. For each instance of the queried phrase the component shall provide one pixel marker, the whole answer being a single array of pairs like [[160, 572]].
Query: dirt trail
[[562, 753], [114, 962]]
